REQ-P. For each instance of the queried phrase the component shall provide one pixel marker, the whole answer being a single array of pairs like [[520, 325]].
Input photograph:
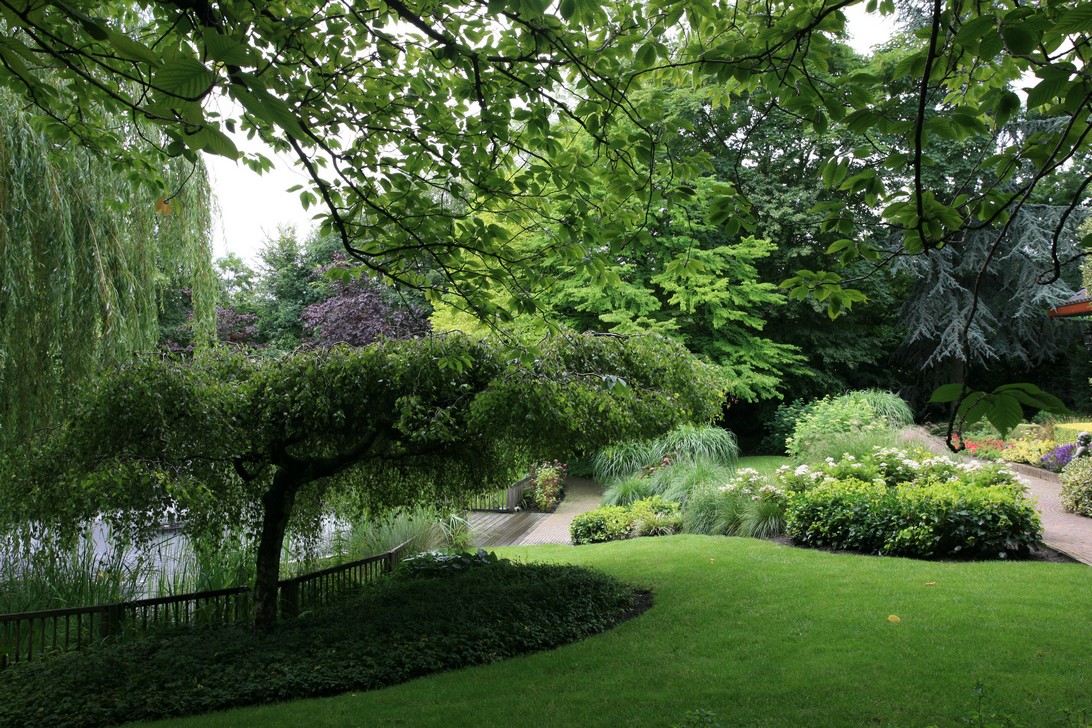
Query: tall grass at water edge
[[34, 576]]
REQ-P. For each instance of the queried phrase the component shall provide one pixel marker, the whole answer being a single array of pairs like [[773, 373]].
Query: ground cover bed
[[751, 633], [439, 613]]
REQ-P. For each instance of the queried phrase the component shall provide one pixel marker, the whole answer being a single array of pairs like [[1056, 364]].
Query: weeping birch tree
[[86, 252]]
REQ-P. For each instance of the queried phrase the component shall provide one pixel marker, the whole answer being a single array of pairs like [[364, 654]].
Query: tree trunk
[[277, 508]]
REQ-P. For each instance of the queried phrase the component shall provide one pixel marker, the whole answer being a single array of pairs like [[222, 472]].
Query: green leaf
[[1077, 20], [1004, 413], [972, 409], [646, 55], [185, 78], [947, 393], [212, 140], [1045, 91], [226, 49], [132, 49], [269, 109], [1018, 39]]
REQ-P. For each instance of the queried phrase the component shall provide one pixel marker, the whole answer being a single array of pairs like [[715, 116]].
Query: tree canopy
[[434, 133], [230, 439]]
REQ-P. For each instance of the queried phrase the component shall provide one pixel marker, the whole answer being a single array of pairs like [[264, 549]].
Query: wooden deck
[[503, 529]]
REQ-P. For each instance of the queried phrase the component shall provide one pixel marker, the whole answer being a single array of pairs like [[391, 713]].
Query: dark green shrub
[[607, 523], [390, 633], [920, 520], [843, 514], [779, 427], [1077, 486]]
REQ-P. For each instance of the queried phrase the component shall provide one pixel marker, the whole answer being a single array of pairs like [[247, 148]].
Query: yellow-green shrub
[[1066, 432], [1027, 451]]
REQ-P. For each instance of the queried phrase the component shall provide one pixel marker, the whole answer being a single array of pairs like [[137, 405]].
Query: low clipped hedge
[[397, 630], [920, 520]]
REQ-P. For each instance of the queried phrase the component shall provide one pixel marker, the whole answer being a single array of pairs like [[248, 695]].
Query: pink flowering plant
[[548, 484]]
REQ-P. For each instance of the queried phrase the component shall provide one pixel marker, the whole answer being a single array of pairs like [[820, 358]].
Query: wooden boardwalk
[[502, 528], [527, 528]]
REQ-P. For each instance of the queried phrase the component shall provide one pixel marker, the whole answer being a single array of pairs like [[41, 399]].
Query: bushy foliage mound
[[780, 426], [651, 516], [857, 414], [1077, 487], [390, 633], [897, 505]]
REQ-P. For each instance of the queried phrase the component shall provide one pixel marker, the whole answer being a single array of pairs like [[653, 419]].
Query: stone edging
[[1034, 472]]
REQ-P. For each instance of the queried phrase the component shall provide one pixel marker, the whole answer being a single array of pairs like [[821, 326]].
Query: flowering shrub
[[921, 506], [1077, 487], [986, 449], [548, 484], [1056, 460], [648, 471]]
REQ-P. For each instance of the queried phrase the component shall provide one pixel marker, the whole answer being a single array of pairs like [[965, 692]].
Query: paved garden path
[[525, 529], [1066, 532]]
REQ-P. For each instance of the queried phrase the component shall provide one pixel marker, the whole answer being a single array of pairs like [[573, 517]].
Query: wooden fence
[[27, 636], [500, 500]]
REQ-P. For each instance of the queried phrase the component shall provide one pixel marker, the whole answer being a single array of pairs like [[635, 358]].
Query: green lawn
[[765, 464], [768, 635]]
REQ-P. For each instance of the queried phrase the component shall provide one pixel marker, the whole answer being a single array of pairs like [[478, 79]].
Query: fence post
[[111, 620], [290, 597]]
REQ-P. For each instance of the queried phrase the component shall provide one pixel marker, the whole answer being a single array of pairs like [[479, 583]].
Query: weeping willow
[[86, 256]]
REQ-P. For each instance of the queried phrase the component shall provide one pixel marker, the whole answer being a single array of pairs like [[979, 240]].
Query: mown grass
[[768, 635]]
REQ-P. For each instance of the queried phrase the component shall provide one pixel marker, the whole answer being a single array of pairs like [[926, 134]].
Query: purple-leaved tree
[[360, 312]]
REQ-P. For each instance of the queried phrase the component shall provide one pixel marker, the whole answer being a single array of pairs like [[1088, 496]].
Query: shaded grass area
[[765, 464], [767, 635]]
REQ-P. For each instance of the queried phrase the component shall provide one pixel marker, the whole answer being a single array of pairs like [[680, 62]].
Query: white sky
[[253, 206]]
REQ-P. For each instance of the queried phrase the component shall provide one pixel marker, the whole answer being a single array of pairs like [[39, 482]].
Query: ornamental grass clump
[[914, 504], [747, 505], [649, 458]]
